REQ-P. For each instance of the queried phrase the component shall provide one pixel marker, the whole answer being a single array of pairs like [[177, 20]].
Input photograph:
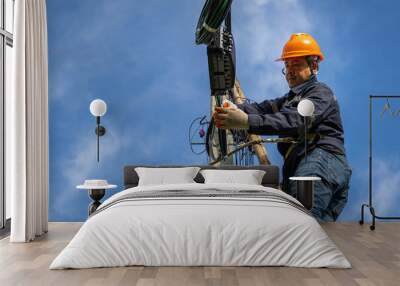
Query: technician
[[326, 156]]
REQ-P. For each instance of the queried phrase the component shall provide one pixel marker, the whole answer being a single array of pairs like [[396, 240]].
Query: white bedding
[[226, 231]]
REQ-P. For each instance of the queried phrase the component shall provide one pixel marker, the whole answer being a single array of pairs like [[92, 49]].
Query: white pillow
[[249, 177], [162, 176]]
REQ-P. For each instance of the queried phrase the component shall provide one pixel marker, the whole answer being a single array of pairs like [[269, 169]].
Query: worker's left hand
[[230, 118]]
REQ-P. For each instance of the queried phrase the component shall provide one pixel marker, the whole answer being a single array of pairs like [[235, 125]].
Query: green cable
[[217, 15], [212, 15]]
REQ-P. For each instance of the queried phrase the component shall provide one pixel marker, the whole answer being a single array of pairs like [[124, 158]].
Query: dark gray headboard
[[270, 179]]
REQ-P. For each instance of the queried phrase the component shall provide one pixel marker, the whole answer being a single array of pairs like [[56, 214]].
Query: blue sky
[[140, 57]]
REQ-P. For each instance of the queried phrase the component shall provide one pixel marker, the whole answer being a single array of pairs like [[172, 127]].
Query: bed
[[201, 224]]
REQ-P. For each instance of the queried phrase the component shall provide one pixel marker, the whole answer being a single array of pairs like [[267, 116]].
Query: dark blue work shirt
[[280, 117]]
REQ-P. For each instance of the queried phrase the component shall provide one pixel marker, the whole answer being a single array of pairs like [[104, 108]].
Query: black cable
[[258, 141], [202, 118]]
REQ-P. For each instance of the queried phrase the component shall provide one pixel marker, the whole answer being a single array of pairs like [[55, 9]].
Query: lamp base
[[305, 190], [96, 195]]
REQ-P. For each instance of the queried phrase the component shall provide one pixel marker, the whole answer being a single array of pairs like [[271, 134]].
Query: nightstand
[[96, 190]]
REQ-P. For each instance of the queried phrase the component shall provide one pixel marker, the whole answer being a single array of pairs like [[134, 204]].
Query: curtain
[[27, 123]]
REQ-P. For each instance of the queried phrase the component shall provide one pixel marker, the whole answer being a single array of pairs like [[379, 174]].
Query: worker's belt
[[310, 137]]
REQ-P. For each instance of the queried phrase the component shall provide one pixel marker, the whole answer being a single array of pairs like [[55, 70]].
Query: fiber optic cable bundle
[[214, 30], [234, 146], [213, 14], [220, 44], [228, 147]]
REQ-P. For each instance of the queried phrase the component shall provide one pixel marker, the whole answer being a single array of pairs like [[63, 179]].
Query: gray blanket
[[206, 194]]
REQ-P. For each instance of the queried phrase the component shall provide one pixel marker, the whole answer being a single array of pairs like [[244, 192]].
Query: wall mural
[[145, 65]]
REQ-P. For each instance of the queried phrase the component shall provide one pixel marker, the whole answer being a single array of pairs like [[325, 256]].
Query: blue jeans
[[331, 192]]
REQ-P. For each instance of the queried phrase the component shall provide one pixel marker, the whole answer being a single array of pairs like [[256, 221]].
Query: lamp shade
[[306, 107], [98, 107]]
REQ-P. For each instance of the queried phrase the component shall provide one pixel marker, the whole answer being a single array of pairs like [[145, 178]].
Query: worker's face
[[297, 71]]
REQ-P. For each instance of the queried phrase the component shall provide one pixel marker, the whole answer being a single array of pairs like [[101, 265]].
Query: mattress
[[201, 225]]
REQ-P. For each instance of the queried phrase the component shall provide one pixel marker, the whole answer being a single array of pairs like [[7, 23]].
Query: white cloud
[[82, 163], [386, 182], [139, 143], [63, 80], [385, 193], [263, 29], [83, 158]]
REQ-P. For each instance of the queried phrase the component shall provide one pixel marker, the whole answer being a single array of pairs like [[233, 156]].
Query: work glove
[[228, 103], [230, 117]]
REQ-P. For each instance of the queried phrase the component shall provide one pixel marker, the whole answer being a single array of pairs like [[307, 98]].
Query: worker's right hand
[[220, 110], [230, 118]]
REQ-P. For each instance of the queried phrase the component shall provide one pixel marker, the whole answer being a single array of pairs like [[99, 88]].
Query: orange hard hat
[[300, 45]]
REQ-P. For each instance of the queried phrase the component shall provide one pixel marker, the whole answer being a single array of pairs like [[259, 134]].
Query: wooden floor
[[374, 255]]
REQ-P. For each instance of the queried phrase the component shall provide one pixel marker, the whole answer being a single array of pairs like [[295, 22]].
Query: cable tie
[[208, 28]]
